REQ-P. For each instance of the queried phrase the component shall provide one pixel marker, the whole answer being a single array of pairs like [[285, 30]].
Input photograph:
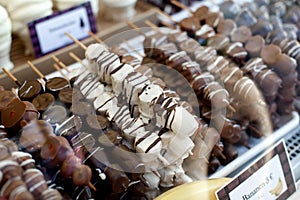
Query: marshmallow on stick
[[5, 39], [23, 11]]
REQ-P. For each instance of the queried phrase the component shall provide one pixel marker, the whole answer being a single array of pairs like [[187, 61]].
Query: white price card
[[48, 33], [269, 177]]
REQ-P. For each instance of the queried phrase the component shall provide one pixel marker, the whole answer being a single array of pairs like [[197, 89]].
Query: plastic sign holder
[[269, 177], [48, 33]]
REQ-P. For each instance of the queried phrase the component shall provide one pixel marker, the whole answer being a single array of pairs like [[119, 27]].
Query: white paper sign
[[269, 177], [48, 33], [267, 183]]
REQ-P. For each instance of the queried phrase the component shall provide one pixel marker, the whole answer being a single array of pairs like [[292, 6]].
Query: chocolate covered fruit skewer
[[28, 89], [128, 59], [53, 85], [204, 85], [108, 169], [229, 85], [18, 166], [18, 114], [11, 176], [278, 26], [226, 130], [55, 151], [91, 53]]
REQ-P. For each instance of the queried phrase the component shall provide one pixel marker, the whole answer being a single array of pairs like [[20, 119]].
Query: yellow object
[[204, 189], [278, 189]]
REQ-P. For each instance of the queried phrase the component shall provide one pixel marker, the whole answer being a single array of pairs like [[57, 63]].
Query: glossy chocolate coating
[[218, 41], [230, 9], [97, 122], [43, 101], [117, 178], [65, 95], [82, 108], [82, 175], [17, 114], [190, 25], [214, 18], [241, 34], [270, 53], [226, 27], [230, 152], [56, 84], [254, 45], [201, 12], [5, 97], [34, 135], [29, 89], [262, 28], [245, 18], [213, 165]]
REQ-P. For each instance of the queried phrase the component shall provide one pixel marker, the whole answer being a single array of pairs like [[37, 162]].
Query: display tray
[[45, 66], [258, 145]]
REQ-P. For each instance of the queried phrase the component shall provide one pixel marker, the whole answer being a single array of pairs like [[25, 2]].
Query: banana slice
[[278, 188], [204, 189]]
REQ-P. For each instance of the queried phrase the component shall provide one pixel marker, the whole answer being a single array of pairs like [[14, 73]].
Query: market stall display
[[162, 108]]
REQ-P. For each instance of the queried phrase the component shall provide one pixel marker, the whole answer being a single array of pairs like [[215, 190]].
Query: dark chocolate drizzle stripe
[[143, 89], [121, 110], [142, 138], [123, 115], [132, 89], [137, 128], [117, 69], [169, 101], [109, 64], [130, 124], [139, 83], [162, 131], [153, 144], [96, 59], [160, 98], [102, 66], [92, 86], [106, 102], [169, 111]]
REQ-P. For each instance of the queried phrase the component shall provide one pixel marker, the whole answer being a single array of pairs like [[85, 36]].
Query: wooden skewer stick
[[60, 63], [133, 48], [36, 70], [77, 59], [94, 36], [230, 107], [153, 26], [12, 77], [59, 70], [156, 28], [76, 41], [181, 5], [168, 25], [92, 186], [137, 29], [166, 16]]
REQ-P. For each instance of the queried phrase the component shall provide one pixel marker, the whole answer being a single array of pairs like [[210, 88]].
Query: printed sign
[[270, 177], [48, 33]]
